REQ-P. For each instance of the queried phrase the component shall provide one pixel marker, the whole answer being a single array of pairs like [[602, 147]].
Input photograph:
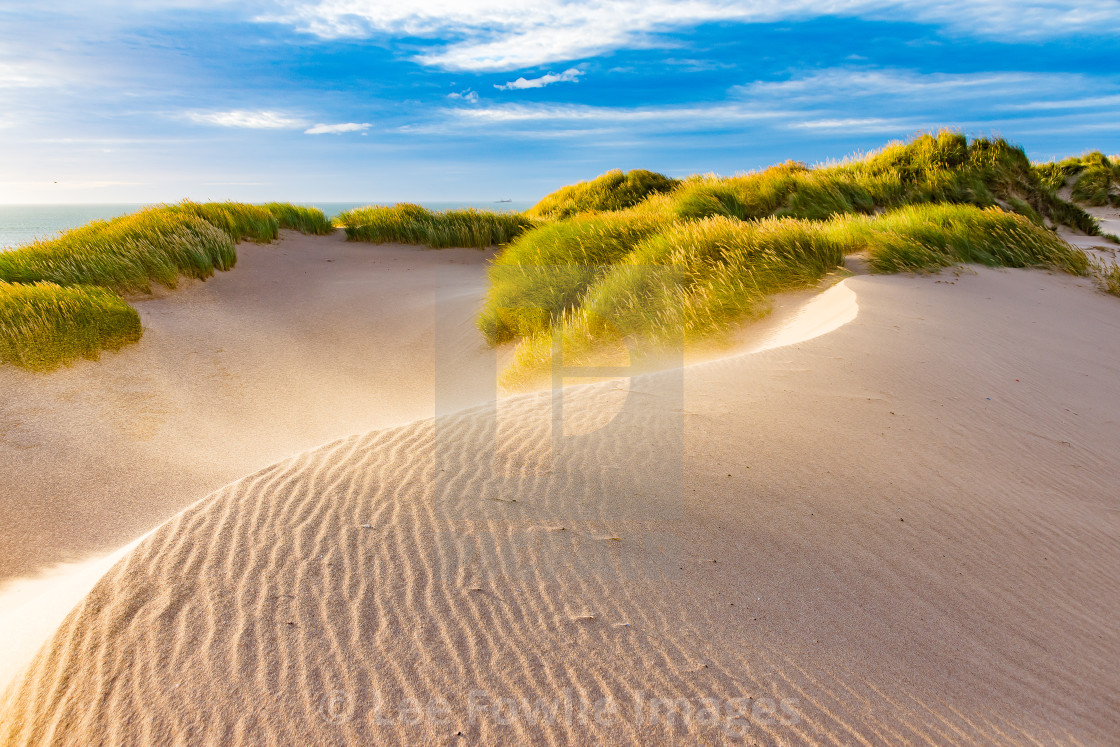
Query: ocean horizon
[[21, 224]]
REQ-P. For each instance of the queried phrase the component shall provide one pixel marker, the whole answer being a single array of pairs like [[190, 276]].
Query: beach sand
[[905, 529], [305, 341]]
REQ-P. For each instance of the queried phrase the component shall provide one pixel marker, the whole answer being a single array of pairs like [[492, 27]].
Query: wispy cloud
[[248, 119], [857, 124], [568, 76], [337, 129], [848, 83], [471, 97], [497, 35]]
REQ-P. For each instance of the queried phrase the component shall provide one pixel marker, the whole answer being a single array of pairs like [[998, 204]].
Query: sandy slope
[[305, 341], [906, 530]]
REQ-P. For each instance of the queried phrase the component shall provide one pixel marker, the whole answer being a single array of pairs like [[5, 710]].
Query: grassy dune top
[[1094, 178], [407, 223], [641, 256], [60, 298], [613, 190]]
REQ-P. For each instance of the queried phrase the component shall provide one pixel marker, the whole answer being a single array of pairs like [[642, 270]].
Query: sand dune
[[305, 341], [902, 531]]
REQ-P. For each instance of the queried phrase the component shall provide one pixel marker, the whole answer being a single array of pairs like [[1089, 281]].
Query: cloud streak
[[247, 119], [337, 129], [503, 35], [568, 76]]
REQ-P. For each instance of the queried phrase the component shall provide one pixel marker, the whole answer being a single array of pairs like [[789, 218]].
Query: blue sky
[[381, 100]]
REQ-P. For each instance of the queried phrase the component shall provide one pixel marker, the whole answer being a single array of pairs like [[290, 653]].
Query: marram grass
[[43, 325], [306, 220], [545, 272], [613, 190], [944, 167], [406, 223], [682, 282], [59, 297], [127, 254]]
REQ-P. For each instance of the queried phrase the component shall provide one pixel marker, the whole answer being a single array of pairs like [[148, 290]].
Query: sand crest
[[903, 530]]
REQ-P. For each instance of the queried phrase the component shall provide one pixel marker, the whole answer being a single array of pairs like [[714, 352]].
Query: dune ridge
[[902, 531]]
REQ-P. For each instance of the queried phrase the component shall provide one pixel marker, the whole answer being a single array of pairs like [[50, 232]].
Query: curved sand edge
[[855, 542], [35, 607]]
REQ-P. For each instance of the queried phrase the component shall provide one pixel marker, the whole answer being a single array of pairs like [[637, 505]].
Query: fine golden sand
[[902, 530]]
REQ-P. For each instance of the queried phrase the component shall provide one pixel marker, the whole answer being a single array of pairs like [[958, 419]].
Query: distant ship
[[503, 200]]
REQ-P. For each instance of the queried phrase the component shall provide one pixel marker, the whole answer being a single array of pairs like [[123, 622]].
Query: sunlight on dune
[[35, 606], [826, 313]]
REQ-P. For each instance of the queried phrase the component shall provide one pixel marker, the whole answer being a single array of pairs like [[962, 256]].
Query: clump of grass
[[935, 168], [412, 224], [1107, 276], [614, 190], [599, 281], [1097, 186], [43, 325], [59, 296], [1096, 178], [126, 254], [240, 221], [544, 272], [925, 238], [306, 220]]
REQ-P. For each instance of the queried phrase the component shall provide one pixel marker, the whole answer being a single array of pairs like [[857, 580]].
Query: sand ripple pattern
[[762, 566]]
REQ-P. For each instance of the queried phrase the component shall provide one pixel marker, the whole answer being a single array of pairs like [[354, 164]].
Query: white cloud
[[568, 76], [337, 129], [844, 84], [857, 124], [497, 35], [471, 97], [569, 113], [244, 118]]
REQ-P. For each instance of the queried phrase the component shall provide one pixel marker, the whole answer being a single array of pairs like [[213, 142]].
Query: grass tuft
[[598, 281], [1107, 277], [58, 297], [613, 190], [43, 325], [412, 224], [543, 273], [306, 220], [128, 254]]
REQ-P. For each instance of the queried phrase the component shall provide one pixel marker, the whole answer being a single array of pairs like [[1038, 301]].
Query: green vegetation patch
[[614, 190], [126, 254], [596, 281], [406, 223], [306, 220], [925, 238], [545, 272], [43, 325], [934, 168], [59, 297]]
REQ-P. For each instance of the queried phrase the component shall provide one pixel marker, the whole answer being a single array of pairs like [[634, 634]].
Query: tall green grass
[[613, 190], [1097, 186], [926, 238], [240, 221], [128, 254], [306, 220], [544, 272], [602, 280], [934, 168], [412, 224], [58, 297], [1095, 178], [43, 325]]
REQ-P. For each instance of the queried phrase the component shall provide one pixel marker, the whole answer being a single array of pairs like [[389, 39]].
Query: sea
[[20, 224]]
